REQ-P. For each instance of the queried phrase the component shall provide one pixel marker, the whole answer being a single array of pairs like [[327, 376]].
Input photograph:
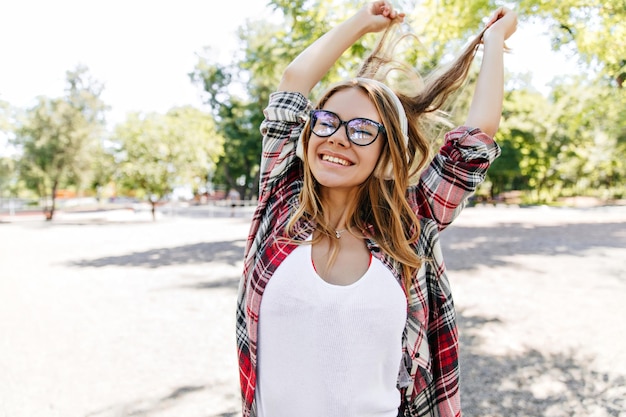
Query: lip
[[332, 155]]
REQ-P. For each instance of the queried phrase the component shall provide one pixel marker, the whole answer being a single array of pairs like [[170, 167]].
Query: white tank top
[[326, 350]]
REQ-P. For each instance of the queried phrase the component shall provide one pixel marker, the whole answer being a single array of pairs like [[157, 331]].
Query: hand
[[502, 24], [380, 15]]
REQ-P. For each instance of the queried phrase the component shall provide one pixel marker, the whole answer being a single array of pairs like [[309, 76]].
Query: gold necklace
[[339, 232]]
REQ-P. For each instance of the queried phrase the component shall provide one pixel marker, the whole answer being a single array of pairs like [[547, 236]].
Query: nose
[[340, 137]]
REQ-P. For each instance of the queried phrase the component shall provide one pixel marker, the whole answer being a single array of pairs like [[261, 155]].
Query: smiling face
[[336, 162]]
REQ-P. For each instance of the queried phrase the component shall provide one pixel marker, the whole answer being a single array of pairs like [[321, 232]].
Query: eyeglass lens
[[360, 131]]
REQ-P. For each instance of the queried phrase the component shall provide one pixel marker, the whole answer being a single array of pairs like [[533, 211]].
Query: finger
[[378, 8], [394, 14], [496, 16]]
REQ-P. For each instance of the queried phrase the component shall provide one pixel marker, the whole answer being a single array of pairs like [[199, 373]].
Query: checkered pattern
[[429, 377]]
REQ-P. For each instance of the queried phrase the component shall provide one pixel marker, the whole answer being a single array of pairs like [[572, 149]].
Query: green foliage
[[237, 121], [268, 48], [7, 176], [5, 117], [59, 137], [7, 165], [159, 152], [567, 144], [595, 29], [239, 91], [572, 141], [444, 27]]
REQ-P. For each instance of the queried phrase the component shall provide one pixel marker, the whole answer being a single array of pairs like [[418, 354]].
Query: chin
[[332, 182], [347, 179]]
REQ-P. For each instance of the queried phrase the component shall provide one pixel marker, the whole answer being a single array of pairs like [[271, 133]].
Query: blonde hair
[[381, 210]]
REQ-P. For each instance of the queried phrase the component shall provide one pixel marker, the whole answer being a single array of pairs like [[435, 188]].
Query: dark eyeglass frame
[[314, 117]]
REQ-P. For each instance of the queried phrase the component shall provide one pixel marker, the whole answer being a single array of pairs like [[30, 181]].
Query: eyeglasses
[[360, 131]]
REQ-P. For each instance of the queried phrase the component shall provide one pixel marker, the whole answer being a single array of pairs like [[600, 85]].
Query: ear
[[386, 172]]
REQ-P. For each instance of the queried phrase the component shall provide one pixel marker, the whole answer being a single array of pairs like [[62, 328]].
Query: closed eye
[[360, 133]]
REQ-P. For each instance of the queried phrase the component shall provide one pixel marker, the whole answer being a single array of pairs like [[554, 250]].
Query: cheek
[[375, 155], [311, 145]]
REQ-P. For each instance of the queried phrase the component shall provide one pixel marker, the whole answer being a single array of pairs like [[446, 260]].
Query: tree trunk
[[255, 185], [153, 210], [50, 212]]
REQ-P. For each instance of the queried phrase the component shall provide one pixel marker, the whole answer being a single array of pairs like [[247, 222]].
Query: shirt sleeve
[[454, 174], [285, 116]]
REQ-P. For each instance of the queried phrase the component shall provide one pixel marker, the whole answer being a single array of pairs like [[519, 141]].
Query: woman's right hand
[[313, 63], [380, 15]]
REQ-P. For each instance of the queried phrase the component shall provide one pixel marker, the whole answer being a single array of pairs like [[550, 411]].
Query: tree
[[7, 176], [593, 121], [517, 137], [238, 92], [158, 152], [58, 137], [570, 143], [443, 28], [103, 169], [593, 28], [237, 120], [547, 146], [7, 165]]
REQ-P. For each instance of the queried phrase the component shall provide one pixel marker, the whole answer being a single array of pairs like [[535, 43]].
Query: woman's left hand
[[501, 24]]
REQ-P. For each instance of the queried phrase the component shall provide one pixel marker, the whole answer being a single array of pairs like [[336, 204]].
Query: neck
[[337, 205]]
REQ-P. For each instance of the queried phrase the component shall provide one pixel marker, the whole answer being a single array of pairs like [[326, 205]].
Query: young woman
[[344, 308]]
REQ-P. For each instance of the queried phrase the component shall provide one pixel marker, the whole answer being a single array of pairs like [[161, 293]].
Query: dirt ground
[[111, 314]]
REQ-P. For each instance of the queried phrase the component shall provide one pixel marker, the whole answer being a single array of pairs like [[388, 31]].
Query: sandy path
[[119, 316]]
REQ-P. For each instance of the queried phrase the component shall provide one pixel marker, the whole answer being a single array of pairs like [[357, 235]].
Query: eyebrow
[[351, 118]]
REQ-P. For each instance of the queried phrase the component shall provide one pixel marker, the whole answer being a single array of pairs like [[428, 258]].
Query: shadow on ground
[[149, 407], [231, 283], [490, 246], [170, 402], [229, 252], [482, 245], [533, 383]]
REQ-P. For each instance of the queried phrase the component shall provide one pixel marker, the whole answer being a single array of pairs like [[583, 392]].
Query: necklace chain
[[339, 232]]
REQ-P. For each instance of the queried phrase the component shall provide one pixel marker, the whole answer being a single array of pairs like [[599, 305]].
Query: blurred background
[[129, 159], [152, 102]]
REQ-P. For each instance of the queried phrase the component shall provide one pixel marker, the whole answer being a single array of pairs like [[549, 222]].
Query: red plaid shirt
[[429, 378]]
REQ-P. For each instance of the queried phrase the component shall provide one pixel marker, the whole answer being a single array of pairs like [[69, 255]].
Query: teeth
[[335, 160]]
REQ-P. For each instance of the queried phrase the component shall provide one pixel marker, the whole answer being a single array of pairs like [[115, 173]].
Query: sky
[[143, 50]]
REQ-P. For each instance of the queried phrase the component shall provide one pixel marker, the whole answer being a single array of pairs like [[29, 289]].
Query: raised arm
[[304, 72], [462, 162], [486, 108]]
